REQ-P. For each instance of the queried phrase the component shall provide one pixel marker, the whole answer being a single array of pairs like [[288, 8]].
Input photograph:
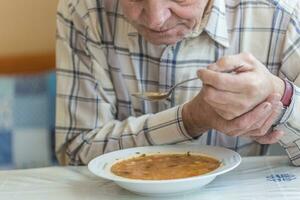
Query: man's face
[[164, 21]]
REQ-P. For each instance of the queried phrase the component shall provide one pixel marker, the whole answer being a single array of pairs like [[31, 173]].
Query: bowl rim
[[220, 170]]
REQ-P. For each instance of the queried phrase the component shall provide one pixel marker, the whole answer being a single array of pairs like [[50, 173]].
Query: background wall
[[27, 27], [27, 45]]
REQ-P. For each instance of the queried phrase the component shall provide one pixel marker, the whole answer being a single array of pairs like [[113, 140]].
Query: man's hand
[[232, 95], [198, 116]]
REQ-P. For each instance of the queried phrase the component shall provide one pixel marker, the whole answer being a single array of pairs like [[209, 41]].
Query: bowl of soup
[[165, 170]]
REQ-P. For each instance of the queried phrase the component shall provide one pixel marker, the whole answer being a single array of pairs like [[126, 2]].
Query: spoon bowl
[[157, 96], [151, 96]]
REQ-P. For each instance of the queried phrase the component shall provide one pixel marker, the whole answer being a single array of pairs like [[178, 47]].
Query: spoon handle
[[196, 78], [174, 86]]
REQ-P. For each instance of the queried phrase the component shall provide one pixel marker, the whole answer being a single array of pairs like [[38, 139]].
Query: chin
[[164, 40], [169, 37]]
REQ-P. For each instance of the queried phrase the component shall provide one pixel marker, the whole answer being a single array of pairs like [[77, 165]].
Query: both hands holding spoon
[[244, 103]]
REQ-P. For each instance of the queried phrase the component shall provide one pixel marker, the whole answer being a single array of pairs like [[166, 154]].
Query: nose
[[156, 14]]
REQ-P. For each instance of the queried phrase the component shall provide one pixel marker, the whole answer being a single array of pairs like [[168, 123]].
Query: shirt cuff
[[289, 123], [166, 127], [287, 112]]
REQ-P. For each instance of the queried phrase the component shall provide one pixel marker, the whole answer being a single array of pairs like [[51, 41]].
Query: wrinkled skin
[[248, 110]]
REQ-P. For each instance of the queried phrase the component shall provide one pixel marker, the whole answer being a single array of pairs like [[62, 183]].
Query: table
[[256, 178]]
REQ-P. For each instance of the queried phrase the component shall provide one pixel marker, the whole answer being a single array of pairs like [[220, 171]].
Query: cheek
[[131, 11], [190, 13]]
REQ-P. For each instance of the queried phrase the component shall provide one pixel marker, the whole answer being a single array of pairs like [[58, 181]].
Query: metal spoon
[[157, 96]]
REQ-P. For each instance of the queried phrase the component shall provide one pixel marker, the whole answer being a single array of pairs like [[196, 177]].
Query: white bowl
[[101, 166]]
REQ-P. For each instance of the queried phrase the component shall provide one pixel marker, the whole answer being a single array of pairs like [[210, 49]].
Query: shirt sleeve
[[86, 124], [290, 122]]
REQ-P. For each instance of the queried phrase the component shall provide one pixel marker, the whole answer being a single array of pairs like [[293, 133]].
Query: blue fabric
[[27, 106], [6, 147]]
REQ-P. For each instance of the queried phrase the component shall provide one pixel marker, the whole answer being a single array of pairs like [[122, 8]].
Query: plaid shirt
[[102, 60]]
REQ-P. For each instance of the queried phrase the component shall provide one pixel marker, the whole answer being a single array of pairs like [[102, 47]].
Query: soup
[[165, 166]]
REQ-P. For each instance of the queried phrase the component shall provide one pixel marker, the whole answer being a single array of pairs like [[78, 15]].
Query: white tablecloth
[[256, 178]]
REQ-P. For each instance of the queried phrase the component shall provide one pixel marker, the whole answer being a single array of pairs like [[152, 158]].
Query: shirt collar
[[213, 23]]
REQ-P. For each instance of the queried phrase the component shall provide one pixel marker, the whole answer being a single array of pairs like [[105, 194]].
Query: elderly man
[[109, 49]]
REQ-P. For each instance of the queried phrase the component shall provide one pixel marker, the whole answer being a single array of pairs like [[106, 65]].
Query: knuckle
[[228, 116], [248, 56], [223, 61], [226, 61]]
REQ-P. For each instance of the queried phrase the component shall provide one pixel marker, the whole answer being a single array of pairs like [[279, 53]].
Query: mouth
[[168, 35], [163, 31]]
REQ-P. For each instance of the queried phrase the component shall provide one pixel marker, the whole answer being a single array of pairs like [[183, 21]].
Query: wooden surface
[[27, 64]]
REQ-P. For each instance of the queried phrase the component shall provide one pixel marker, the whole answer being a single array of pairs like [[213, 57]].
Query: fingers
[[225, 63], [232, 82], [230, 105], [221, 81], [212, 95], [224, 81], [274, 97], [270, 138], [237, 126], [259, 121], [227, 104], [264, 121], [262, 130], [231, 62]]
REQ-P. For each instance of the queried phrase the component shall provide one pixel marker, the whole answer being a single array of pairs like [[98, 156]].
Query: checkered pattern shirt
[[102, 60]]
